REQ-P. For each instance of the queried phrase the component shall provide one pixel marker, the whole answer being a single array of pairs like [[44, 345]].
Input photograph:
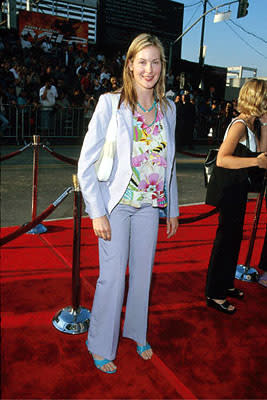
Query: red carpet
[[199, 352]]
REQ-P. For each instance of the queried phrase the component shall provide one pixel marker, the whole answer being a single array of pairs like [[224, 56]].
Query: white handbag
[[103, 165]]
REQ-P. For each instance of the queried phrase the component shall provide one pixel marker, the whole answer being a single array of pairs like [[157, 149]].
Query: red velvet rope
[[188, 153], [26, 227], [15, 153], [189, 220], [60, 156]]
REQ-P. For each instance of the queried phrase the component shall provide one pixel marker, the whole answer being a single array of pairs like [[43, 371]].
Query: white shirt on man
[[51, 96]]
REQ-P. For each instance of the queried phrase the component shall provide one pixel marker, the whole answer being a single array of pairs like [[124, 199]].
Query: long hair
[[128, 92], [252, 99]]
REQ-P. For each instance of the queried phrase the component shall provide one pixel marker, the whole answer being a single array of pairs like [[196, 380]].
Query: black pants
[[263, 260], [225, 251]]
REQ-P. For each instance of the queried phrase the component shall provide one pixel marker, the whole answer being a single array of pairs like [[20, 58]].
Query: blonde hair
[[252, 99], [128, 92]]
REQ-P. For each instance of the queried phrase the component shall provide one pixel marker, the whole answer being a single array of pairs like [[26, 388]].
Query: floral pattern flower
[[158, 159], [152, 183], [139, 159]]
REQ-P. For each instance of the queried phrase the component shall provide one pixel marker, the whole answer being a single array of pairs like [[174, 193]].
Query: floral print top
[[148, 164]]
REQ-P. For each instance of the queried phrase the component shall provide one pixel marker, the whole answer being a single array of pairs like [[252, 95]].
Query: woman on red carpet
[[263, 258], [252, 104], [124, 207]]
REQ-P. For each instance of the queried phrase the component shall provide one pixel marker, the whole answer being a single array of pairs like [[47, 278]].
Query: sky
[[227, 44]]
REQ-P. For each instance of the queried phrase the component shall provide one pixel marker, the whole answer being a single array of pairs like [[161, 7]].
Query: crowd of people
[[77, 78], [70, 77]]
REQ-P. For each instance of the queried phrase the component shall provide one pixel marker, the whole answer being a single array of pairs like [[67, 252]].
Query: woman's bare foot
[[146, 354], [229, 308], [108, 367]]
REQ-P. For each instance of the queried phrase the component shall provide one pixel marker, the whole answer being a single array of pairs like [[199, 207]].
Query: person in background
[[89, 107], [125, 209], [3, 120], [235, 112], [86, 83], [48, 94], [188, 117], [169, 80], [263, 259], [25, 42], [252, 104], [113, 84], [225, 117]]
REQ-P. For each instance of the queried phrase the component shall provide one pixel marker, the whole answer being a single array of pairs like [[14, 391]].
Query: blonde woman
[[252, 104], [125, 209]]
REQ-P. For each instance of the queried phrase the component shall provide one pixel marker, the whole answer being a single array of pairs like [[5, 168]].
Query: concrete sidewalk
[[55, 176]]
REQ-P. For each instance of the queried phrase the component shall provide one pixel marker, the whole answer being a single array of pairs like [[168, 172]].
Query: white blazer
[[101, 197]]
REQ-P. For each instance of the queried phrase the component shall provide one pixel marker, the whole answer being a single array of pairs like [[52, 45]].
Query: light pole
[[191, 26], [201, 58]]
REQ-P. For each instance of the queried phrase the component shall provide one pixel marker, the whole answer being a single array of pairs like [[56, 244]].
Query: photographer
[[48, 94], [89, 107]]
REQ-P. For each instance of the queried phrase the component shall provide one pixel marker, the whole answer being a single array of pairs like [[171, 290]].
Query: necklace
[[152, 123], [149, 109]]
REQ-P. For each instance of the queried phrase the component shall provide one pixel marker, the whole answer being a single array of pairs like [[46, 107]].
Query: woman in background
[[252, 104]]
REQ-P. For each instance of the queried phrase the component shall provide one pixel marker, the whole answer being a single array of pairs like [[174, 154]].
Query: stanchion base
[[38, 229], [72, 321], [247, 274]]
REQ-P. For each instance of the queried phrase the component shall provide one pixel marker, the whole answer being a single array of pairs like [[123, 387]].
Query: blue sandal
[[101, 363], [141, 349]]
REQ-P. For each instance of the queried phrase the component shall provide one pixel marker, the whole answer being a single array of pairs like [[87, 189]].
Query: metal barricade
[[72, 122], [26, 121]]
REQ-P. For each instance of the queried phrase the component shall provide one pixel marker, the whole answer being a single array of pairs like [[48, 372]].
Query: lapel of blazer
[[124, 135]]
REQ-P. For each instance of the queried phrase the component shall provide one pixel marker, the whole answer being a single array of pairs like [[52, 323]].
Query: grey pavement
[[55, 176]]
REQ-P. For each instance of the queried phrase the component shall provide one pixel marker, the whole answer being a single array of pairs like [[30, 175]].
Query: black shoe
[[224, 307], [237, 293]]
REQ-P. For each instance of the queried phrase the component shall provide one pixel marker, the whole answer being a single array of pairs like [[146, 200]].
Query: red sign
[[37, 26]]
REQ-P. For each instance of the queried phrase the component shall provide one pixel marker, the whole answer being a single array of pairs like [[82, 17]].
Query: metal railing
[[72, 122], [26, 121]]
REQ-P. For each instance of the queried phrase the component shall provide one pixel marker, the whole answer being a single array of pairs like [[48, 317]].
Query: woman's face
[[146, 67]]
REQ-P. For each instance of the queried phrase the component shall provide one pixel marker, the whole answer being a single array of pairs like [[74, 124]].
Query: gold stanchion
[[36, 146], [246, 272], [74, 319]]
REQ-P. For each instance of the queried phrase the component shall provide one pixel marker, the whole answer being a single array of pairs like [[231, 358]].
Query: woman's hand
[[262, 160], [172, 226], [102, 228]]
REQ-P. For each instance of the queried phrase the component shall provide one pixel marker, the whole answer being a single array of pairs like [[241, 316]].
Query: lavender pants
[[134, 234]]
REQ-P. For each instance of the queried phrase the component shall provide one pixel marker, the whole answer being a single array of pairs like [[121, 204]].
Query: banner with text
[[37, 26]]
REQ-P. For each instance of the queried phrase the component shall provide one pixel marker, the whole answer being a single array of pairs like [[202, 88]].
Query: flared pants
[[134, 234]]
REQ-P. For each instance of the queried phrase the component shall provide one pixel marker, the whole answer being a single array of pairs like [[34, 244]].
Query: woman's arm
[[91, 149], [172, 221], [225, 157], [263, 140]]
